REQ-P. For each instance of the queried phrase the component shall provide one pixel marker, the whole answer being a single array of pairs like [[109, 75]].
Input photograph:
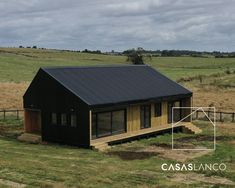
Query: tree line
[[136, 53], [180, 53]]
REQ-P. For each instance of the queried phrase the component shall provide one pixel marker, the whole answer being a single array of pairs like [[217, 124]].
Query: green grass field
[[127, 165], [22, 64], [135, 164]]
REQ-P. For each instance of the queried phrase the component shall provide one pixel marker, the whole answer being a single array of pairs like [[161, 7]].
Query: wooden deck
[[95, 143]]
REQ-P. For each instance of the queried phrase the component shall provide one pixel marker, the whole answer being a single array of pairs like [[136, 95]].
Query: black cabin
[[76, 105]]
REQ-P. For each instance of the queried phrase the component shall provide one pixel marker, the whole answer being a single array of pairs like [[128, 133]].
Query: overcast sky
[[119, 24]]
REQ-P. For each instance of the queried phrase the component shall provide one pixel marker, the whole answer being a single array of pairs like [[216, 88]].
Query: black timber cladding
[[116, 84], [48, 95]]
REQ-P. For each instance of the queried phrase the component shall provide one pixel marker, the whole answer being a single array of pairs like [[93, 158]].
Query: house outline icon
[[201, 109]]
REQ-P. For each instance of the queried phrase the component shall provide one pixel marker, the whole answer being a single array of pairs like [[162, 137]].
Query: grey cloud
[[119, 24]]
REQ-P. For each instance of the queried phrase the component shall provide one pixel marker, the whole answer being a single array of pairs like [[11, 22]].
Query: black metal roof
[[101, 85]]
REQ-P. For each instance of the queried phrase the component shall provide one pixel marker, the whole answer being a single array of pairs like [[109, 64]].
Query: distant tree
[[21, 46], [140, 49], [35, 47], [92, 52], [164, 53], [135, 57], [97, 52], [149, 56]]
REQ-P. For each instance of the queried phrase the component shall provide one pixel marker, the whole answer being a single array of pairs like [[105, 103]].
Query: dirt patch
[[164, 145], [161, 150], [132, 155], [191, 178], [11, 95], [177, 155], [11, 183], [169, 146], [203, 138]]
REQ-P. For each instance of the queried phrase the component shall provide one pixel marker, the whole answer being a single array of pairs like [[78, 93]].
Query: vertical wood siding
[[133, 117], [161, 120]]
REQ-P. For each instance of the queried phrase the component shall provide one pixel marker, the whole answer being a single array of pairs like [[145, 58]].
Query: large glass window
[[118, 121], [108, 123], [104, 124]]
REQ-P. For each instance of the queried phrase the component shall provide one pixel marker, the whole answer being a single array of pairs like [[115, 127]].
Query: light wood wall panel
[[133, 118], [155, 121], [162, 120], [133, 115], [164, 113]]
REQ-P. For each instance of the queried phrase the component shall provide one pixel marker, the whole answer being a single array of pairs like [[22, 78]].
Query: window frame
[[64, 119], [96, 114], [54, 120], [144, 117], [158, 109], [71, 119]]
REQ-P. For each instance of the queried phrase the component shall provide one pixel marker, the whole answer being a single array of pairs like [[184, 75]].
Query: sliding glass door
[[145, 116], [108, 123], [118, 122], [104, 124]]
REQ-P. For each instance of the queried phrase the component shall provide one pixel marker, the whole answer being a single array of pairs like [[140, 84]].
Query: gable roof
[[116, 84]]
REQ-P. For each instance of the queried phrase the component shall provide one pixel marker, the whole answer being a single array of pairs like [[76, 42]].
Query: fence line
[[220, 116], [15, 112], [199, 114]]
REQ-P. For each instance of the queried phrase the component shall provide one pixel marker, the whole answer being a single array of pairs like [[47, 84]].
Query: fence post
[[220, 114], [4, 114], [233, 117], [196, 114], [17, 114]]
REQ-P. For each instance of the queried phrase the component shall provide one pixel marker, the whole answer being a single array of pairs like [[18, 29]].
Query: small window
[[94, 125], [158, 109], [53, 118], [63, 119], [73, 120]]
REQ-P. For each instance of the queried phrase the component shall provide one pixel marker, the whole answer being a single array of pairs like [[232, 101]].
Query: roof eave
[[130, 102]]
